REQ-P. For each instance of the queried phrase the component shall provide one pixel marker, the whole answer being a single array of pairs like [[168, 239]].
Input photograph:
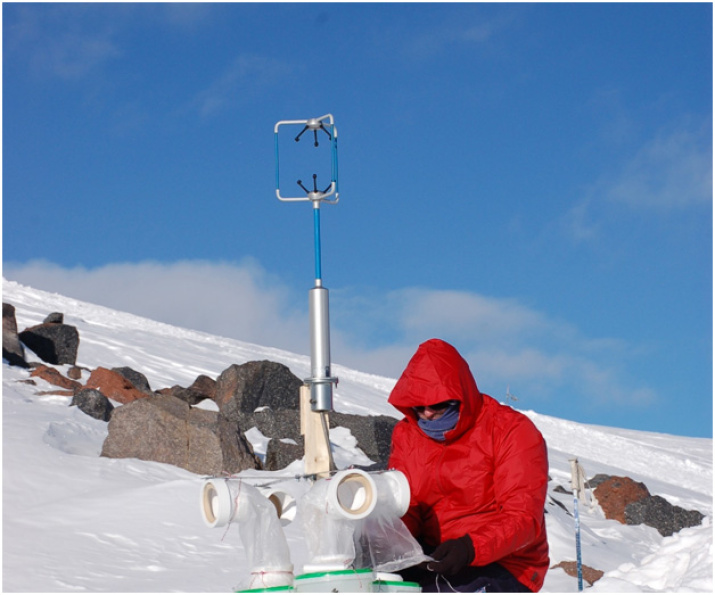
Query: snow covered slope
[[73, 521]]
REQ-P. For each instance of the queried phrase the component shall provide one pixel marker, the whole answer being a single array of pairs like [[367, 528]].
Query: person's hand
[[452, 556]]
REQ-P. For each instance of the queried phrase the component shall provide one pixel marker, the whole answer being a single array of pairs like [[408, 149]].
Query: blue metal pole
[[577, 520], [316, 231]]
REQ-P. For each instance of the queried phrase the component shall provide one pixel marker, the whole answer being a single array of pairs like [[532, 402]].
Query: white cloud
[[672, 170], [227, 299], [466, 314], [505, 342]]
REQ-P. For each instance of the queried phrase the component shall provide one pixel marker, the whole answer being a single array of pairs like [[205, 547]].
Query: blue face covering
[[435, 428]]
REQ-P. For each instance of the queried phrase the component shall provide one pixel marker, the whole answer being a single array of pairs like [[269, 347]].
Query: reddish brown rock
[[57, 393], [590, 575], [615, 493], [114, 386], [54, 377], [75, 373], [202, 388]]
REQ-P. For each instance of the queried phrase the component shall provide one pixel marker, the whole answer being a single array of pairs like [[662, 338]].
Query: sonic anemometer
[[321, 382]]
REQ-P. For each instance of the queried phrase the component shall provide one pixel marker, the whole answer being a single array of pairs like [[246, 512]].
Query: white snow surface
[[75, 521]]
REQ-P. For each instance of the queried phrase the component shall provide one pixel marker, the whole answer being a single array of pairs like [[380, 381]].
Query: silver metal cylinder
[[321, 382]]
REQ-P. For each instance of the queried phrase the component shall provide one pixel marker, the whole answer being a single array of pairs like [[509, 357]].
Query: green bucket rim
[[345, 572], [395, 583]]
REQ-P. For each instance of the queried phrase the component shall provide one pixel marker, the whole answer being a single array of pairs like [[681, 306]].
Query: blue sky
[[531, 182]]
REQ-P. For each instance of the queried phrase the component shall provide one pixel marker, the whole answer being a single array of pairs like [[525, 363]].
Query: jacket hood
[[437, 373]]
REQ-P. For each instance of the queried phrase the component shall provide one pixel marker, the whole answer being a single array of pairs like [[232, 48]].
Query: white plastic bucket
[[338, 581]]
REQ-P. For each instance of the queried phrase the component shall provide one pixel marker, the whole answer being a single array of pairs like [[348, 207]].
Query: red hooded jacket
[[487, 479]]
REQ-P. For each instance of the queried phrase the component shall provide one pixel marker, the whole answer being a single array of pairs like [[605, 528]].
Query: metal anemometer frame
[[321, 381]]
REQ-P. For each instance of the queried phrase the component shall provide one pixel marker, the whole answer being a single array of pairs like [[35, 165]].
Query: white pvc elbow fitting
[[354, 494], [221, 503], [336, 508], [233, 500]]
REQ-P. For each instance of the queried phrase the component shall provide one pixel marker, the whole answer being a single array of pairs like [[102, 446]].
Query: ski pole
[[576, 486]]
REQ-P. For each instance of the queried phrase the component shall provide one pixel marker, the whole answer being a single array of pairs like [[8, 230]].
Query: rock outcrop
[[166, 429]]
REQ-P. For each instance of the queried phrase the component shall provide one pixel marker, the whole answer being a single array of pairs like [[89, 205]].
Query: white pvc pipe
[[354, 494], [226, 500], [219, 502], [335, 508], [285, 504]]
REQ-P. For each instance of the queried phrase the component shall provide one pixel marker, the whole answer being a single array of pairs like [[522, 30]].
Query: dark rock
[[657, 512], [244, 388], [280, 454], [373, 433], [54, 318], [202, 388], [550, 501], [138, 380], [12, 350], [53, 343], [203, 385], [283, 423], [263, 394], [93, 403], [597, 480]]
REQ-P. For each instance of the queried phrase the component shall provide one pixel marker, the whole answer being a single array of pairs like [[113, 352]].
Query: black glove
[[452, 556]]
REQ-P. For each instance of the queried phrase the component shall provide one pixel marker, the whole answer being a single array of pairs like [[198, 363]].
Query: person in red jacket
[[478, 473]]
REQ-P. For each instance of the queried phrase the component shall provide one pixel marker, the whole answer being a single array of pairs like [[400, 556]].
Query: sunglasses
[[439, 407]]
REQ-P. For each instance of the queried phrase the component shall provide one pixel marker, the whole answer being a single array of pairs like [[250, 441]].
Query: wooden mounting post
[[318, 456]]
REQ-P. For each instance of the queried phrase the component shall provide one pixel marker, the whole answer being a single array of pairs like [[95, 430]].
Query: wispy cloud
[[670, 171], [245, 77], [506, 342], [458, 30], [63, 41]]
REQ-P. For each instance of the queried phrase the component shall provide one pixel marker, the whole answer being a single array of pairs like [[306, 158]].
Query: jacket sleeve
[[520, 484], [400, 455]]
